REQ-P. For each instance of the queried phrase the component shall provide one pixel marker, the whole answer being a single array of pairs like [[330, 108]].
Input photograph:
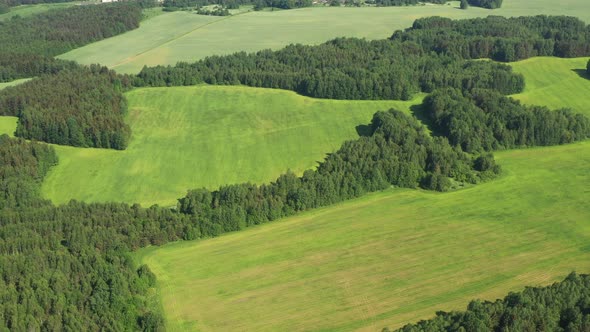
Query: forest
[[83, 106], [485, 120], [171, 5], [499, 38], [344, 68], [563, 306]]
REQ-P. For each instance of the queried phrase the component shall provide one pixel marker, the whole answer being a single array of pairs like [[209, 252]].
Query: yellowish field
[[389, 258]]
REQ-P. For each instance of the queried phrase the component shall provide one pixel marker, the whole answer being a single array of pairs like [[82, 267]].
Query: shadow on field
[[363, 130], [582, 73]]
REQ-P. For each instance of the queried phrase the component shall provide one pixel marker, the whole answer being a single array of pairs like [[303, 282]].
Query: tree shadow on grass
[[419, 112], [582, 73], [364, 130]]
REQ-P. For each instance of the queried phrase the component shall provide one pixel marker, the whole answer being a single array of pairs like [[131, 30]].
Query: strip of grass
[[184, 36], [389, 258]]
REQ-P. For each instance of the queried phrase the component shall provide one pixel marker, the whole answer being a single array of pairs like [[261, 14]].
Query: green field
[[28, 10], [8, 125], [184, 36], [556, 83], [190, 137], [13, 83], [389, 258]]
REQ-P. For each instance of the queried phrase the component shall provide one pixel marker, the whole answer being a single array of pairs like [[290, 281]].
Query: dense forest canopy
[[344, 68], [486, 120], [82, 106], [234, 4], [500, 38], [490, 4], [563, 306]]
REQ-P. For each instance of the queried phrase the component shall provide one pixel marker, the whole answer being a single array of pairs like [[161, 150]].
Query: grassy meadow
[[555, 83], [185, 36], [207, 136], [389, 258], [13, 83], [8, 125]]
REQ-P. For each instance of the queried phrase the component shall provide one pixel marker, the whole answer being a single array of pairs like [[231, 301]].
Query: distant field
[[183, 36], [28, 10], [389, 258], [555, 83], [190, 137]]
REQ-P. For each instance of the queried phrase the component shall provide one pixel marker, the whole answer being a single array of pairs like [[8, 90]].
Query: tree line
[[343, 68], [563, 306], [500, 38], [489, 4], [171, 5], [485, 120], [79, 106]]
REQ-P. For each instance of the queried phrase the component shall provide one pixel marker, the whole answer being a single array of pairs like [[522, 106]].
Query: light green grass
[[389, 258], [13, 83], [189, 137], [29, 10], [8, 125], [555, 83], [184, 36]]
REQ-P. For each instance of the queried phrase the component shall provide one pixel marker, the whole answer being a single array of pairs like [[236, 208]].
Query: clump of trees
[[485, 120], [588, 68], [83, 107], [490, 4], [563, 306], [344, 68], [499, 38], [385, 3], [171, 5], [217, 11]]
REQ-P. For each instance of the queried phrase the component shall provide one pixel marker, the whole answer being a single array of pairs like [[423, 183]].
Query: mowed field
[[184, 36], [389, 258], [206, 136], [555, 83]]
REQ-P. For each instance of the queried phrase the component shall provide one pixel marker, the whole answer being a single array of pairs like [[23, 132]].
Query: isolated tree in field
[[464, 4]]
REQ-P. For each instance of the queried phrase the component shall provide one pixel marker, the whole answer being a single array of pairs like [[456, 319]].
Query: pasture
[[207, 136], [389, 258], [184, 36], [555, 83]]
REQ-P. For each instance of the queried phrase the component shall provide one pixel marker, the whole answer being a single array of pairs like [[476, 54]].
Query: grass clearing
[[8, 125], [389, 258], [13, 83], [190, 137], [555, 83], [185, 36]]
